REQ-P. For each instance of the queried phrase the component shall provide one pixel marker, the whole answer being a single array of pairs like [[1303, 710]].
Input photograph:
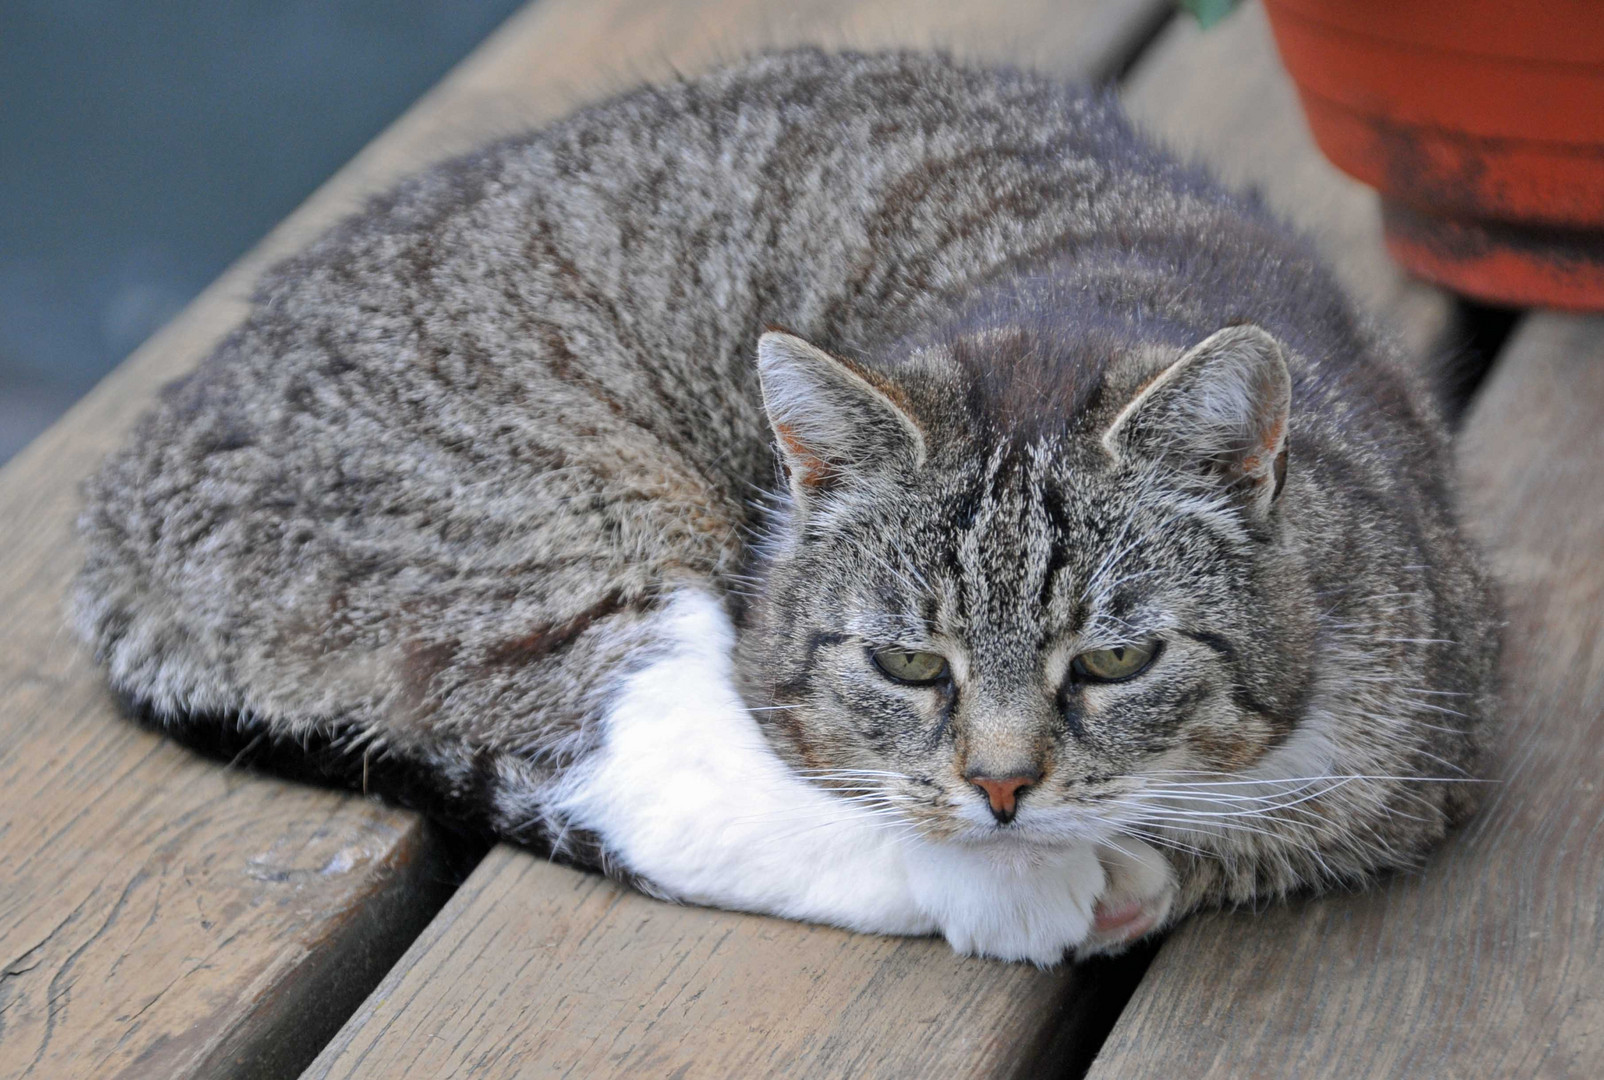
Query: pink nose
[[1003, 793]]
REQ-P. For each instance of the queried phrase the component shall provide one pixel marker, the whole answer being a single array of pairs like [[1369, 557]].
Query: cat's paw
[[1008, 902], [1139, 891]]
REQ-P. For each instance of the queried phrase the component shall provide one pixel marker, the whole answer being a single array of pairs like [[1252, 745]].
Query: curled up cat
[[861, 488]]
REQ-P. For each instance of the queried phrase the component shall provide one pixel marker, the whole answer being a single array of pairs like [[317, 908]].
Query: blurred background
[[145, 144]]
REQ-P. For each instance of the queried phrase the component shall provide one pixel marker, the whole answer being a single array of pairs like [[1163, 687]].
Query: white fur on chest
[[687, 792]]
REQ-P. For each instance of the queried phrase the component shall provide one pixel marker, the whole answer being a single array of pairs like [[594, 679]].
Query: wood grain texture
[[1491, 962], [159, 915], [1221, 97], [538, 970]]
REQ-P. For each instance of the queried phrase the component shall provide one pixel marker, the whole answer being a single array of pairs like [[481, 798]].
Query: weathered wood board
[[1491, 962], [537, 970]]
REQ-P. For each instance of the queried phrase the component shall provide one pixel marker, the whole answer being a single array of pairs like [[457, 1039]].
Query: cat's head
[[1015, 575]]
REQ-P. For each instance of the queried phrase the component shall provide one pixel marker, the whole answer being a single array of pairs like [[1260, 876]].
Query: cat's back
[[567, 319], [846, 195], [519, 390]]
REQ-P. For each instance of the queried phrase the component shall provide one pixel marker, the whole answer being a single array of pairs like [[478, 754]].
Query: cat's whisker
[[1436, 709], [792, 834], [828, 814], [1204, 818], [1281, 830], [1147, 836], [1334, 776], [1260, 824], [852, 772], [1281, 789], [1203, 821], [1439, 759], [1219, 794], [1238, 808]]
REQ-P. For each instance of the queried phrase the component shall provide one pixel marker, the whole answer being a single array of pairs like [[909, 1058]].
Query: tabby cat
[[862, 488]]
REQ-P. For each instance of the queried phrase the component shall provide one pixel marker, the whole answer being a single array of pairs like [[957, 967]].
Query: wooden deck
[[162, 916]]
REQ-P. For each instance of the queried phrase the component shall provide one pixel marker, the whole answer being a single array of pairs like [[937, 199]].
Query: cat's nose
[[1003, 793]]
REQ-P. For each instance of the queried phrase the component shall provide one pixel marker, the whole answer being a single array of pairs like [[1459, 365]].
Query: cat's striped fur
[[482, 502]]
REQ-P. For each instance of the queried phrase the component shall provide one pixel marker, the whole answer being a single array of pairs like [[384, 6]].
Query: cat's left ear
[[1221, 411], [832, 419]]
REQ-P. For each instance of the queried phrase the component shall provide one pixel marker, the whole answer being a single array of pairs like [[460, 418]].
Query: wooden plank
[[1221, 97], [1491, 962], [159, 915], [533, 969]]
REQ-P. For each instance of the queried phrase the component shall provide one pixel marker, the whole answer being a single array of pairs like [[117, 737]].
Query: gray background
[[146, 144]]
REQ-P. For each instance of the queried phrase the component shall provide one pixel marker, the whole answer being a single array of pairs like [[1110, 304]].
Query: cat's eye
[[1116, 664], [908, 666]]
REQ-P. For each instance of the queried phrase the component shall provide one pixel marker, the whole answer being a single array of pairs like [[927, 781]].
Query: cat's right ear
[[832, 419]]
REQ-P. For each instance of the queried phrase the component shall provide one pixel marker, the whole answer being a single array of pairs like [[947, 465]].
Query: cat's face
[[989, 633]]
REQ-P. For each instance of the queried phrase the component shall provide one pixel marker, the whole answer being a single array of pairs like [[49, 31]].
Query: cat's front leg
[[1009, 901], [1036, 904], [1138, 896]]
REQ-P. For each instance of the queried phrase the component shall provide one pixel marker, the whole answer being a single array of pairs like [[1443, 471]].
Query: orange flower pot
[[1481, 122]]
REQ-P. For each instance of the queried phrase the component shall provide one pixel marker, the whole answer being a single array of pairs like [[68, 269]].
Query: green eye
[[1113, 665], [905, 666]]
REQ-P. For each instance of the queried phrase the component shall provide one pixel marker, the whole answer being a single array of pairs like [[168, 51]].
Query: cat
[[861, 488]]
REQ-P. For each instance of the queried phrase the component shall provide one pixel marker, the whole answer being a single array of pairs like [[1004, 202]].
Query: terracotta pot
[[1481, 122]]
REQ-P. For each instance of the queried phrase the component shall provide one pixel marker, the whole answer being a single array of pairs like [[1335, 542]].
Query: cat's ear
[[832, 419], [1219, 411]]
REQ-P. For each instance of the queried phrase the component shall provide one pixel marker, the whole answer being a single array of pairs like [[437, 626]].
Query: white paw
[[1011, 903], [1136, 900]]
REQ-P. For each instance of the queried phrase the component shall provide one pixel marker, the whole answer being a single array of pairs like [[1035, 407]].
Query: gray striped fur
[[423, 505]]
